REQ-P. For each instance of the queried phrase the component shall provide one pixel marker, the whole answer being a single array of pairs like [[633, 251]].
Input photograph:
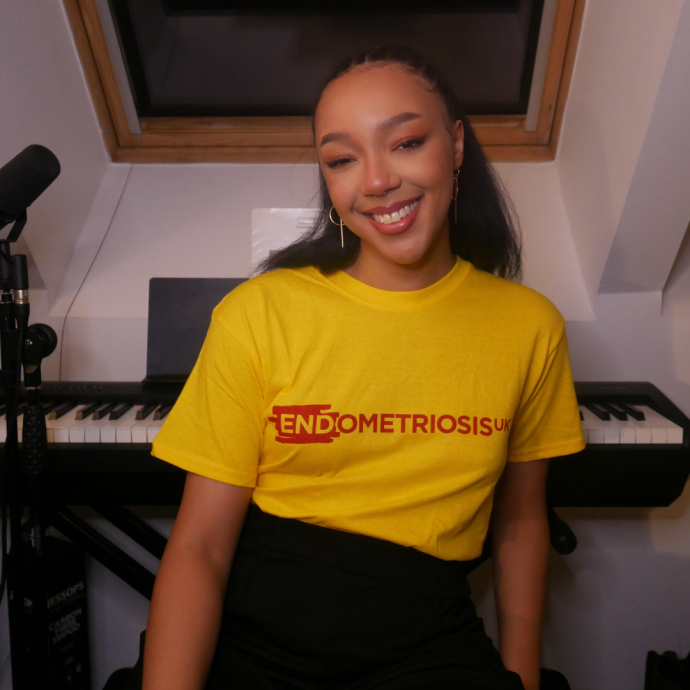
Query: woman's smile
[[395, 218]]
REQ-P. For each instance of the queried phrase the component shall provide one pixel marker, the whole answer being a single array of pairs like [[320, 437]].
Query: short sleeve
[[215, 429], [547, 422]]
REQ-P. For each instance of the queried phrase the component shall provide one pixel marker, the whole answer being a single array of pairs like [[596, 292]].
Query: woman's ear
[[458, 134]]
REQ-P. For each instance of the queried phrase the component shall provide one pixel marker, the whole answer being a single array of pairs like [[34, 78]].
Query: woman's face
[[382, 130]]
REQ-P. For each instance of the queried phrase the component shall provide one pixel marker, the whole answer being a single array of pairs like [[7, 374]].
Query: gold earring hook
[[330, 217]]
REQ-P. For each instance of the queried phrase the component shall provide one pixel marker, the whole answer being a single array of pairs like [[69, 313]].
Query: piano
[[100, 435]]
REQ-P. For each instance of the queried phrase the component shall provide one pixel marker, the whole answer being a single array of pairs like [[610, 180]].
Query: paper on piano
[[273, 228]]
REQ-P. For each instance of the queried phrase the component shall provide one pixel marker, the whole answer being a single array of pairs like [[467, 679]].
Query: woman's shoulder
[[516, 301], [273, 288]]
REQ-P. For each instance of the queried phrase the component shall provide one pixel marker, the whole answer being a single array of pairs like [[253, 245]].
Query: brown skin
[[187, 602], [186, 608]]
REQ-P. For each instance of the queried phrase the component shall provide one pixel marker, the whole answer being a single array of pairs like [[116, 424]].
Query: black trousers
[[312, 608]]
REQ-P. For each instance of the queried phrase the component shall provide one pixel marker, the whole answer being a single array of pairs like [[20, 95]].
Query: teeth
[[396, 216]]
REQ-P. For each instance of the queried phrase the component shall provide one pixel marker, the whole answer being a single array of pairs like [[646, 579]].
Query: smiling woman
[[388, 126], [358, 414]]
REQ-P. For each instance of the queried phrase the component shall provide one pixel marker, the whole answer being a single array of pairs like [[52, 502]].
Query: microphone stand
[[24, 345]]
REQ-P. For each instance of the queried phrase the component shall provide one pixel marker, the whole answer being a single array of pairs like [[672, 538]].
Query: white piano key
[[657, 431], [595, 428], [140, 430], [672, 432], [123, 433], [78, 428], [92, 430], [611, 429], [109, 430], [626, 430], [62, 427]]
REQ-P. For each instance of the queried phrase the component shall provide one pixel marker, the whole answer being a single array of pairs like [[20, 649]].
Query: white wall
[[621, 57], [45, 101]]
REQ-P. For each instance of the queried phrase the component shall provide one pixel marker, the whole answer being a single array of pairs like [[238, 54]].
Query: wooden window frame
[[289, 139]]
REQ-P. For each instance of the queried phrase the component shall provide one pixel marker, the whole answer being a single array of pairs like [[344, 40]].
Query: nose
[[378, 176]]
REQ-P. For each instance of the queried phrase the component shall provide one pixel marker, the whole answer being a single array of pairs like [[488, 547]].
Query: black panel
[[335, 6], [179, 316], [269, 58]]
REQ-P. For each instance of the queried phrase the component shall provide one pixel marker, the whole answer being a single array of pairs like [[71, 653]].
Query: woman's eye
[[338, 162], [409, 144]]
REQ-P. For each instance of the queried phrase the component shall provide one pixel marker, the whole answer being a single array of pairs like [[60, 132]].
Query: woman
[[350, 416]]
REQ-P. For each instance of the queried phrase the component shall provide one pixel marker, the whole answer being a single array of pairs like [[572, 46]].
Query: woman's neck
[[376, 270]]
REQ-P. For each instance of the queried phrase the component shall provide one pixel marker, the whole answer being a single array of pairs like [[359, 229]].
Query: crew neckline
[[398, 300]]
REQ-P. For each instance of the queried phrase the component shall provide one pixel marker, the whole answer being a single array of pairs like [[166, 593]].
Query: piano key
[[77, 431], [62, 426], [105, 410], [139, 430], [123, 433], [63, 410], [635, 414], [87, 410], [109, 430], [155, 426], [50, 406], [615, 412], [146, 411], [602, 414], [599, 431], [120, 411], [92, 430], [662, 427], [162, 411]]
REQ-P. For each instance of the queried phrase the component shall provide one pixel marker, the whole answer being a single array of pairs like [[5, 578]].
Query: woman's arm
[[520, 557], [187, 602]]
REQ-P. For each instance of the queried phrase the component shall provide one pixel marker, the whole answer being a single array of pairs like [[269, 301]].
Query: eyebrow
[[384, 124]]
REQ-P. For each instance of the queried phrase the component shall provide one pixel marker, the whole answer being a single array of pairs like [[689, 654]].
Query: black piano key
[[83, 414], [146, 411], [603, 415], [3, 409], [49, 407], [618, 414], [162, 411], [62, 410], [638, 415], [582, 418], [106, 409], [116, 414]]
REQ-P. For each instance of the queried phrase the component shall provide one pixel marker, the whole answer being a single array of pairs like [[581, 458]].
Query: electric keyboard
[[100, 435]]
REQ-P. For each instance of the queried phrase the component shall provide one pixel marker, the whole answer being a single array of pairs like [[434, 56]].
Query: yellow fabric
[[389, 414]]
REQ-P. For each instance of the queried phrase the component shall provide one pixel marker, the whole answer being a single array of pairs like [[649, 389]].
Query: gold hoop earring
[[456, 188], [330, 217]]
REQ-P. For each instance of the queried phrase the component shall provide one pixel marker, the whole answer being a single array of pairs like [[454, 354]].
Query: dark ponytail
[[486, 232]]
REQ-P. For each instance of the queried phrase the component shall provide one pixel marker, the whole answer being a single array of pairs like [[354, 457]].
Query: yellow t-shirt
[[389, 414]]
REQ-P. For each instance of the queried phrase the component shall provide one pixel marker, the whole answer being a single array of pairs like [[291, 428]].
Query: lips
[[393, 226]]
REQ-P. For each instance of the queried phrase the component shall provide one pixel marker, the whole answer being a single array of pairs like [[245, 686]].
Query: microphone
[[24, 179]]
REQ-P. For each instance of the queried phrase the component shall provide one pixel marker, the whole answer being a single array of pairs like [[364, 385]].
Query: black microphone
[[25, 178]]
